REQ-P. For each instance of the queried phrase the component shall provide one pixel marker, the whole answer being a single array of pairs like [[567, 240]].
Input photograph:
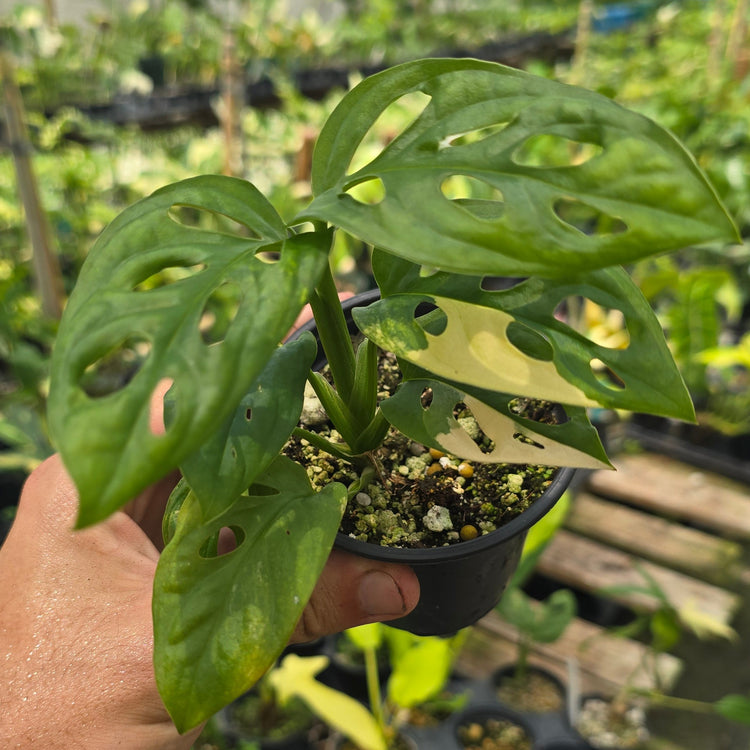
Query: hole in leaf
[[370, 191], [220, 311], [468, 422], [473, 136], [528, 341], [606, 376], [547, 150], [426, 398], [538, 410], [587, 219], [433, 321], [396, 118], [248, 414], [605, 327], [198, 217], [267, 257], [159, 403], [168, 275], [479, 198], [499, 283], [116, 368], [228, 539], [526, 440], [261, 490]]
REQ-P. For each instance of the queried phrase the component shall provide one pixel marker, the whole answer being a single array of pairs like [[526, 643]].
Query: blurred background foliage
[[685, 64]]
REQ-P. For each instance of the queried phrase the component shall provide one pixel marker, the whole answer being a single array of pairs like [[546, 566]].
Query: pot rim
[[518, 525]]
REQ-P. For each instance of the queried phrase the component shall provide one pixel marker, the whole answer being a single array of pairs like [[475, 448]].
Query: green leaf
[[365, 637], [364, 391], [485, 340], [220, 622], [421, 672], [106, 442], [296, 676], [515, 608], [694, 322], [666, 629], [554, 616], [544, 623], [734, 707], [538, 537], [479, 119], [516, 439], [247, 442]]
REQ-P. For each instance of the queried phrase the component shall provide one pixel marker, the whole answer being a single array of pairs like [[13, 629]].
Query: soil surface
[[409, 495]]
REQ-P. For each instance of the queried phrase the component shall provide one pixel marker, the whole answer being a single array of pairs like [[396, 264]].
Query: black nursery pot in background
[[459, 583]]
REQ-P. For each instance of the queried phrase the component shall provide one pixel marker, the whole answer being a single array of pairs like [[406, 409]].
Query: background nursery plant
[[613, 188]]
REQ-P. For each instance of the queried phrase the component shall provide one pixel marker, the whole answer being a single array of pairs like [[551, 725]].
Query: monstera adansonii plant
[[612, 187]]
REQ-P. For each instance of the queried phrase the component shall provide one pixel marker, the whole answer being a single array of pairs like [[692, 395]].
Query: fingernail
[[380, 595]]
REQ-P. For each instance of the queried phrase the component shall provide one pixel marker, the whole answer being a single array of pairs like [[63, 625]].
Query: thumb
[[353, 591]]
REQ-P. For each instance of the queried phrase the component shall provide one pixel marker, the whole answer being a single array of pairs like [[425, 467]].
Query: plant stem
[[334, 335], [656, 698], [373, 688]]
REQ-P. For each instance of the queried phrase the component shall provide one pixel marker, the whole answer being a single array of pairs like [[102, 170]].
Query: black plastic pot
[[547, 731], [482, 714], [460, 583], [598, 739], [237, 736], [507, 674]]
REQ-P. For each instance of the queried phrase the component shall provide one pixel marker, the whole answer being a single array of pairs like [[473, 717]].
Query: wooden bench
[[654, 520]]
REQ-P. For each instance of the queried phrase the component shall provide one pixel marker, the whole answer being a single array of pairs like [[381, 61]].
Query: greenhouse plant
[[564, 186]]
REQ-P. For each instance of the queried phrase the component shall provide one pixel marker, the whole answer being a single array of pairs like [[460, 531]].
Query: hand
[[76, 634]]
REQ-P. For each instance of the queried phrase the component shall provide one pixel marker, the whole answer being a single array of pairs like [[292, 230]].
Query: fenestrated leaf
[[479, 117], [476, 347], [572, 443], [225, 465], [106, 442], [220, 622]]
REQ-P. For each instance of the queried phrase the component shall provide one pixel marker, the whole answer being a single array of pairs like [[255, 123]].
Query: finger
[[147, 509], [156, 413], [353, 591]]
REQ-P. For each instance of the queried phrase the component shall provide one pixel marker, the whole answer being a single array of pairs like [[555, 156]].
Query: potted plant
[[523, 686], [624, 189], [417, 696]]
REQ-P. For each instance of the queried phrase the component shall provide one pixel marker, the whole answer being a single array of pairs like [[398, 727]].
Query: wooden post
[[714, 62], [47, 274], [582, 43], [50, 12], [233, 99], [737, 39]]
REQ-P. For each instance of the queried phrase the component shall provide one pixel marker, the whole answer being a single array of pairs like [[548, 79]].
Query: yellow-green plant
[[420, 668]]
